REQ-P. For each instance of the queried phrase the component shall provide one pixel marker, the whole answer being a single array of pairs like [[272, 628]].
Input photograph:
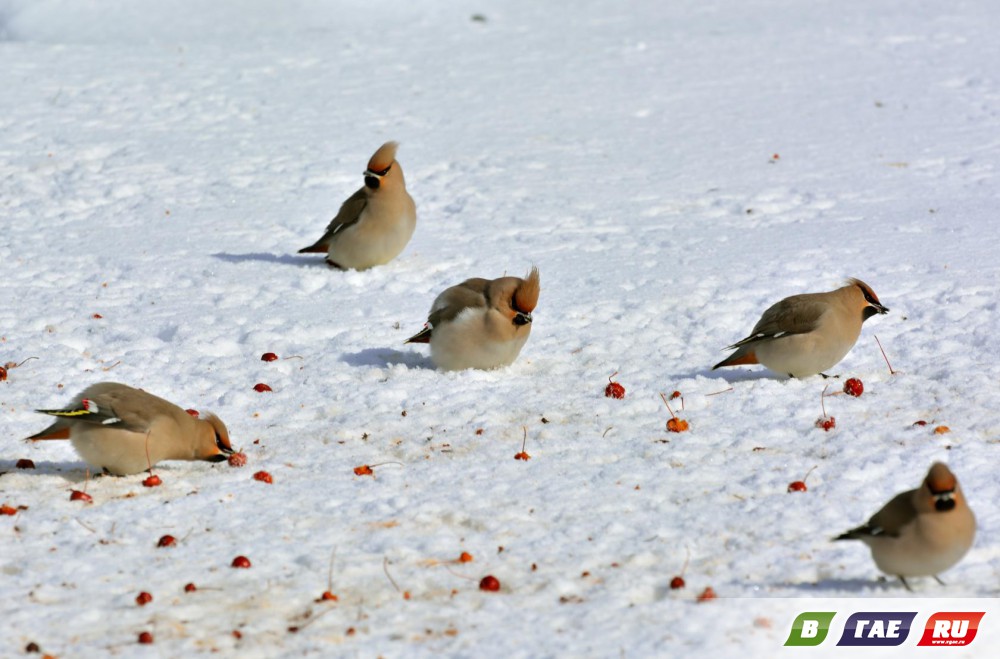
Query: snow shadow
[[71, 471], [387, 357], [827, 587], [284, 259]]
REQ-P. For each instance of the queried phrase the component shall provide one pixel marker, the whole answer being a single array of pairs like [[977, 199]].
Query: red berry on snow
[[77, 495], [25, 463], [152, 481], [490, 583], [260, 387], [237, 459], [797, 486], [854, 387], [143, 598], [614, 390], [826, 423], [167, 541], [676, 583], [190, 588], [241, 562], [7, 510], [263, 477], [328, 596], [268, 357], [145, 638], [707, 594]]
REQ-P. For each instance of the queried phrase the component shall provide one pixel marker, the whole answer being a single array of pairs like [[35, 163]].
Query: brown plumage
[[920, 532], [480, 323], [806, 334], [375, 223], [123, 430]]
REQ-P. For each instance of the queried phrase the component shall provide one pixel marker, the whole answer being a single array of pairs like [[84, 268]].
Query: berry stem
[[891, 372]]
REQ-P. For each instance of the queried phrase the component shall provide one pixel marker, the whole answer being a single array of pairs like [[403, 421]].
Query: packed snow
[[672, 169]]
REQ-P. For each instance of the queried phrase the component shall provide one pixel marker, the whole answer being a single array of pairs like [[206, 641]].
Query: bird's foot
[[334, 265]]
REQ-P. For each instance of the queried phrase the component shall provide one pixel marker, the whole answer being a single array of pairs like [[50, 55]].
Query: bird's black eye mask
[[373, 178]]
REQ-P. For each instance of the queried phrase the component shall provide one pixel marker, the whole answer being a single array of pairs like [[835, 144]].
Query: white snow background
[[672, 168]]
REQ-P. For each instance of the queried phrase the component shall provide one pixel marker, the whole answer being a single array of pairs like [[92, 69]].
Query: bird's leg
[[938, 579], [903, 579], [334, 264]]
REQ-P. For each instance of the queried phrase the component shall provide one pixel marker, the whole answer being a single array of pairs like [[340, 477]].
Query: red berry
[[145, 638], [490, 583], [192, 412], [241, 562], [77, 495], [167, 541], [797, 486], [522, 456], [143, 598], [921, 422], [826, 423], [263, 477], [97, 316], [465, 557], [707, 594], [268, 357], [3, 374], [190, 588], [674, 395], [676, 583], [25, 463], [854, 387], [7, 510], [614, 390], [260, 387], [237, 459], [328, 596], [152, 481]]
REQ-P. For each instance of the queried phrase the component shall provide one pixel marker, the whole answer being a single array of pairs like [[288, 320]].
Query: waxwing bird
[[806, 334], [922, 532], [480, 323], [123, 431], [375, 223]]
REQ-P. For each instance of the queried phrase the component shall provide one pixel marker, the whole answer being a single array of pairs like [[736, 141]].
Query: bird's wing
[[349, 213], [798, 314]]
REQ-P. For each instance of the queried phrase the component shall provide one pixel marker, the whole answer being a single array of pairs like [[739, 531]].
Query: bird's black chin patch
[[372, 182], [944, 504], [522, 319]]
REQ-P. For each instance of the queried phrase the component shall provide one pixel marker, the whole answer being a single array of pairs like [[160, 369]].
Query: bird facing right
[[806, 334], [480, 323], [921, 532]]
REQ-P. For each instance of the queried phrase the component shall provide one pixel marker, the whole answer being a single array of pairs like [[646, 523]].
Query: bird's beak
[[522, 318]]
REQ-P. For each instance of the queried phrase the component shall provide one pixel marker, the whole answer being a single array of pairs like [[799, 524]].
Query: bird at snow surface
[[480, 323], [807, 334], [375, 223], [122, 430], [921, 532]]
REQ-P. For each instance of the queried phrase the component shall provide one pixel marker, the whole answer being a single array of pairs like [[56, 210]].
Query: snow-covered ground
[[671, 168]]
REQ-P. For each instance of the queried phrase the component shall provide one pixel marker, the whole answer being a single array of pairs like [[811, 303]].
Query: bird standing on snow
[[922, 532], [480, 323], [375, 223], [806, 334], [122, 430]]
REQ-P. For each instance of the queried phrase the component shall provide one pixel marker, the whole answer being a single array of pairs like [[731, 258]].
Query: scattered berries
[[7, 510], [327, 596], [77, 495], [465, 557], [797, 486], [145, 638], [190, 588], [522, 456], [677, 583], [707, 594], [260, 387], [614, 389], [24, 463], [143, 598], [238, 459], [942, 430], [363, 470], [920, 422], [268, 357], [167, 541], [241, 562], [490, 583], [854, 387], [152, 481], [263, 477]]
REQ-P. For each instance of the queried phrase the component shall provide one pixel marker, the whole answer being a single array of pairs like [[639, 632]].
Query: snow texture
[[671, 168]]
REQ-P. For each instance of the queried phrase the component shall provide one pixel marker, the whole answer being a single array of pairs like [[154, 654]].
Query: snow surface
[[671, 168]]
